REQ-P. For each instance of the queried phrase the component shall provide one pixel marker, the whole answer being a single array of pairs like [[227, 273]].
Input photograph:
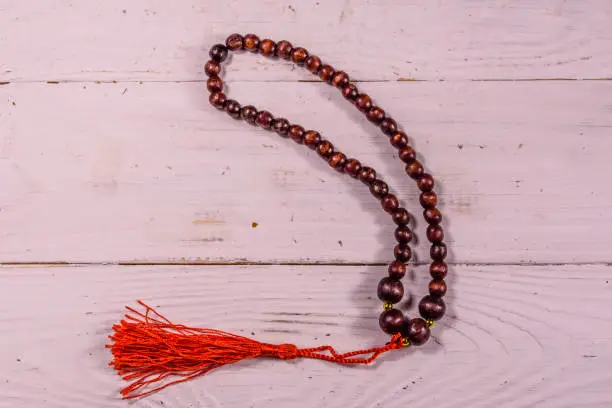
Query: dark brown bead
[[312, 139], [281, 126], [251, 42], [416, 331], [267, 47], [402, 252], [375, 114], [399, 140], [407, 154], [432, 308], [425, 182], [264, 119], [214, 84], [437, 288], [428, 199], [296, 132], [299, 55], [432, 216], [313, 63], [388, 126], [438, 251], [389, 203], [367, 175], [212, 68], [438, 270], [217, 99], [379, 188], [340, 79], [403, 234], [283, 49], [326, 73], [337, 161], [435, 233], [234, 42], [325, 149], [390, 290], [391, 321], [350, 92], [401, 216], [397, 270], [352, 167], [414, 169], [218, 52], [363, 102], [232, 108], [249, 114]]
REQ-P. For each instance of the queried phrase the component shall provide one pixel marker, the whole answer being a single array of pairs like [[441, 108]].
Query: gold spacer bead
[[387, 306], [405, 342], [430, 323]]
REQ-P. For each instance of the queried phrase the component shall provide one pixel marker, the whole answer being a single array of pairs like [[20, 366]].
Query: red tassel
[[147, 348]]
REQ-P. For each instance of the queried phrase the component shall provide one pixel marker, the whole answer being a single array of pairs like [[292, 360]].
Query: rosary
[[147, 348]]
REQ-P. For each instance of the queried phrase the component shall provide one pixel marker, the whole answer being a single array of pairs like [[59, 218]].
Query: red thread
[[147, 349]]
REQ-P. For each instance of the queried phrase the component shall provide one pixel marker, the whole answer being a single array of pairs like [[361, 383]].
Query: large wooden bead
[[432, 308], [283, 49], [350, 92], [428, 199], [326, 73], [234, 42], [416, 331], [232, 108], [212, 68], [401, 216], [403, 234], [414, 169], [367, 175], [325, 149], [438, 251], [432, 216], [218, 52], [388, 126], [435, 234], [352, 167], [214, 84], [363, 102], [249, 114], [313, 64], [391, 321], [399, 140], [267, 47], [299, 55], [296, 132], [375, 114], [389, 203], [402, 252], [264, 119], [407, 154], [437, 288], [312, 139], [425, 182], [340, 79], [337, 161], [251, 42], [217, 99], [281, 126], [390, 290], [438, 270], [396, 270], [379, 188]]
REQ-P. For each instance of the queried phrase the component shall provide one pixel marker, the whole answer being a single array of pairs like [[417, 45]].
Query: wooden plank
[[515, 336], [152, 173], [372, 40]]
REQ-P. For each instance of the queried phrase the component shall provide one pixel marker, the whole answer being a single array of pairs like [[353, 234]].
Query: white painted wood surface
[[111, 156]]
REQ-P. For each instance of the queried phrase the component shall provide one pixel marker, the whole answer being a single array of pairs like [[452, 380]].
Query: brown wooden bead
[[437, 288], [281, 126], [402, 252], [249, 114], [340, 79], [350, 92], [267, 47], [232, 108], [283, 49], [389, 203], [212, 68], [401, 216], [326, 73], [438, 251], [428, 199], [296, 132], [299, 55], [367, 175], [425, 182], [379, 188], [407, 154], [352, 167], [337, 161], [264, 119], [313, 64], [390, 290], [363, 102], [432, 216], [432, 308], [218, 52], [214, 84], [217, 99], [375, 114], [388, 126], [403, 234], [435, 233], [325, 149], [399, 140], [414, 169], [312, 139], [397, 270], [391, 321], [416, 331], [438, 270], [234, 42], [251, 42]]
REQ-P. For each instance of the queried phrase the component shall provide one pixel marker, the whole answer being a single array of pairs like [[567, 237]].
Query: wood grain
[[515, 336], [144, 40]]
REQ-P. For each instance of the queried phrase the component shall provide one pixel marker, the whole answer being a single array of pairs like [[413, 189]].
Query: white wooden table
[[120, 182]]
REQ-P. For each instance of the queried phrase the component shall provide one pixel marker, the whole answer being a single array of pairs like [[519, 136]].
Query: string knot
[[282, 351]]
